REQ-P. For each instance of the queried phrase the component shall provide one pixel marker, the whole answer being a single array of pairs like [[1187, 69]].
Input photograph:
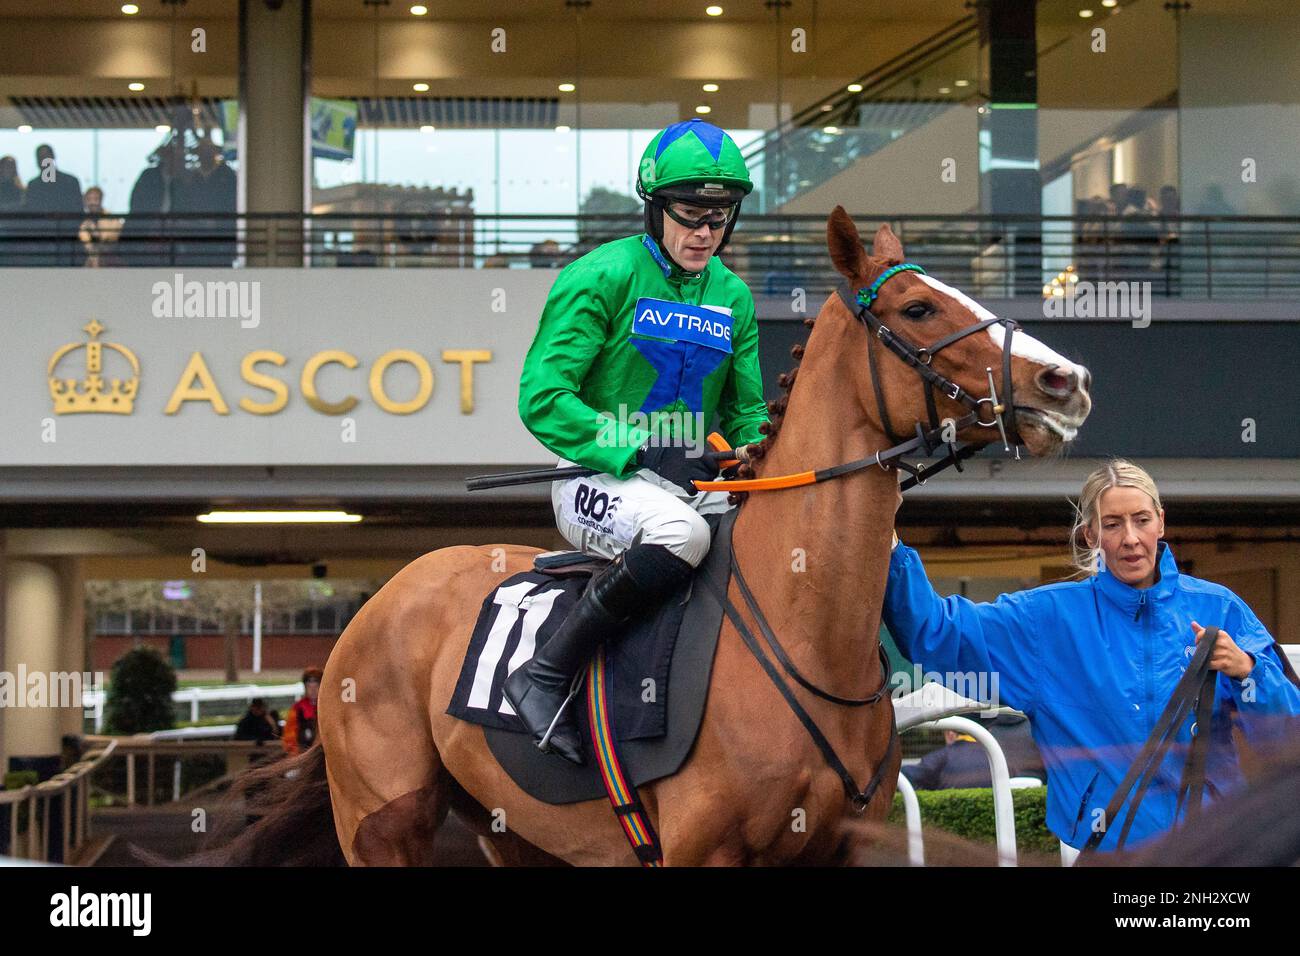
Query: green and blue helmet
[[696, 162]]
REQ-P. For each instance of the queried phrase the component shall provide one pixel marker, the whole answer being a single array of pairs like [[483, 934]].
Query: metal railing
[[57, 809], [194, 697], [236, 754], [1201, 257]]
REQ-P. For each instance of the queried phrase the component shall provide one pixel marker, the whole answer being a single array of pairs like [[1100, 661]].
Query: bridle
[[926, 440]]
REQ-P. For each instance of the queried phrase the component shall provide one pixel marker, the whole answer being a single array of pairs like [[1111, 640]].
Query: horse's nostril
[[1058, 382]]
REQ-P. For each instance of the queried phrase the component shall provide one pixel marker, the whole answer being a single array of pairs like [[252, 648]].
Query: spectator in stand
[[11, 201], [99, 233], [546, 255], [300, 724], [141, 243], [211, 188], [259, 723], [56, 193]]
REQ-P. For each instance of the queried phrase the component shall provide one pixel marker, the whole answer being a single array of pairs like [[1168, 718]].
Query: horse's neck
[[816, 557]]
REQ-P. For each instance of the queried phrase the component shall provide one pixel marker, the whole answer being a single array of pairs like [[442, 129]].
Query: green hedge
[[969, 814]]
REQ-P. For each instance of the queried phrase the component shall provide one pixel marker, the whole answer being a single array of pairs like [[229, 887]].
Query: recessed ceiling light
[[135, 87], [419, 10], [961, 83], [567, 87], [562, 129], [427, 129], [710, 87], [1109, 3], [945, 90], [162, 128], [24, 128], [130, 9], [826, 107], [830, 129], [420, 87], [278, 517], [854, 87], [1085, 13], [704, 109], [714, 11]]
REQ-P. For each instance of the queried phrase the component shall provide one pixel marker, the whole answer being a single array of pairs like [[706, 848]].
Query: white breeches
[[602, 514]]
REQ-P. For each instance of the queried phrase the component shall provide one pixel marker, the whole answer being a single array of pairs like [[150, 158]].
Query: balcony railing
[[1201, 257]]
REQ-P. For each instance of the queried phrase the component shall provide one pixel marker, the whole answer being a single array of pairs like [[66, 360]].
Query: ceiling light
[[961, 83], [24, 128], [830, 129], [130, 9], [562, 129], [419, 10], [1109, 3], [714, 11], [427, 129], [704, 109], [710, 87], [420, 87], [854, 87], [278, 517], [162, 128], [1085, 13], [945, 90], [567, 87], [135, 87]]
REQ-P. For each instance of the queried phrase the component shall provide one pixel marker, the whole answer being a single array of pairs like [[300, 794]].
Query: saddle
[[657, 673]]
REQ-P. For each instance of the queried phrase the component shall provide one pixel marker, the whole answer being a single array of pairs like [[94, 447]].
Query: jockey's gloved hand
[[678, 464]]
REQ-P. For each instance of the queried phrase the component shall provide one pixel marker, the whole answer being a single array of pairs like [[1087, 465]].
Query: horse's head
[[1049, 392]]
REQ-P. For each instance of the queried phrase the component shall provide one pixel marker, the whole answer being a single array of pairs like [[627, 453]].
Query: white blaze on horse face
[[1022, 343]]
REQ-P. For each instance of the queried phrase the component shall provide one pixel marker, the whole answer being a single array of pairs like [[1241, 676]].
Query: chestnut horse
[[754, 789]]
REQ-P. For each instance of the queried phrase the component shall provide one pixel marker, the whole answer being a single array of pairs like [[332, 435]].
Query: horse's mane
[[776, 414]]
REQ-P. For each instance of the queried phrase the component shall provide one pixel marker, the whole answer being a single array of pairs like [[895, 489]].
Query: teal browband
[[868, 295]]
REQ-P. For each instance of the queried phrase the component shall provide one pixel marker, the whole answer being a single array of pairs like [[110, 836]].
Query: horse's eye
[[917, 310]]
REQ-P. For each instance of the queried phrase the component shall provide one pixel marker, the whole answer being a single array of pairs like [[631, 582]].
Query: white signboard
[[266, 366]]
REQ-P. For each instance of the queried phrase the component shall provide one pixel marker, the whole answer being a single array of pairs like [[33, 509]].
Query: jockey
[[641, 342]]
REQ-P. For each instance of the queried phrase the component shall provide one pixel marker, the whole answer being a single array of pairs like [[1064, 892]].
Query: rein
[[1194, 693], [926, 440]]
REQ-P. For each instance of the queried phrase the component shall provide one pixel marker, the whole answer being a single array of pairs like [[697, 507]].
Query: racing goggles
[[715, 217]]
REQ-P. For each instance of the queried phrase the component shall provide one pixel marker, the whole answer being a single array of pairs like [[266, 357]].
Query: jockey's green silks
[[628, 346]]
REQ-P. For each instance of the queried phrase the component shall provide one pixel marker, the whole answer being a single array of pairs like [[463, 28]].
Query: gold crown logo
[[90, 394]]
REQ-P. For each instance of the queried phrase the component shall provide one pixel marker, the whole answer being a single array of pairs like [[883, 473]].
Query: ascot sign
[[94, 393]]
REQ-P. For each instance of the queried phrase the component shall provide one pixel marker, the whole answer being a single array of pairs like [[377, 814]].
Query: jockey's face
[[1131, 529], [691, 248]]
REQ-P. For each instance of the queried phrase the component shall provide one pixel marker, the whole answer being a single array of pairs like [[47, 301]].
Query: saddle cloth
[[658, 672]]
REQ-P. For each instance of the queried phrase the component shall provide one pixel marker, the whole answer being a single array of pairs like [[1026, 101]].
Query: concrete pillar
[[43, 634], [274, 151]]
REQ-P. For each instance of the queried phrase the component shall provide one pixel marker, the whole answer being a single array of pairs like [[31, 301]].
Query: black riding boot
[[643, 575]]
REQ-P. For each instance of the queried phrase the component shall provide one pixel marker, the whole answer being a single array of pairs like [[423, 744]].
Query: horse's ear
[[886, 246], [845, 245]]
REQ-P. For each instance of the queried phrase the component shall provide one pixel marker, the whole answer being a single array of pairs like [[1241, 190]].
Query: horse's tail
[[295, 819]]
